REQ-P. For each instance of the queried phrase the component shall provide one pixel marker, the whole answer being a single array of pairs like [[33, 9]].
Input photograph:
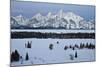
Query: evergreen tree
[[81, 45], [27, 57], [12, 57], [16, 56], [87, 45], [93, 46], [29, 44], [73, 48], [76, 54]]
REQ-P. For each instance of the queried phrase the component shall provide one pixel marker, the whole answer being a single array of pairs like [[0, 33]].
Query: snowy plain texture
[[41, 54]]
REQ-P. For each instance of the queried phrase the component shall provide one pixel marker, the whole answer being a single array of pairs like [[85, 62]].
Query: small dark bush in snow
[[57, 42], [51, 46], [71, 57], [65, 48], [70, 46]]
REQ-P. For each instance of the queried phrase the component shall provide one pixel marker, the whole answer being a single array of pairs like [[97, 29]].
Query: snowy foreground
[[40, 53]]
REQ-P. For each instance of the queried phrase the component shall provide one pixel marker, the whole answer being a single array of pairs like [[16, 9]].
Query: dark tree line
[[51, 35]]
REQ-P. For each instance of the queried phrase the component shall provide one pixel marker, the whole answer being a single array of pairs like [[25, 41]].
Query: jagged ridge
[[61, 20]]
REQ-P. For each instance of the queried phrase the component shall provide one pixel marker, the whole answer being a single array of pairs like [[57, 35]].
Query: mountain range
[[61, 20]]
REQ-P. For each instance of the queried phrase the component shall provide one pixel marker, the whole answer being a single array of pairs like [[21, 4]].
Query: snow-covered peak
[[38, 15], [61, 14], [21, 19], [73, 15], [49, 14], [19, 16]]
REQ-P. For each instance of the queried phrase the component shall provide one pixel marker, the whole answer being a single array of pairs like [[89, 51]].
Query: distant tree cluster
[[81, 46], [90, 46], [51, 35], [15, 56], [73, 47], [28, 44]]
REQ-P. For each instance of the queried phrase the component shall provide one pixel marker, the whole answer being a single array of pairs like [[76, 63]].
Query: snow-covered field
[[55, 31], [41, 54]]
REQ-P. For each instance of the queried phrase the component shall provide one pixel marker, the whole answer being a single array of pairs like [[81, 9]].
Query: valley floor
[[40, 53]]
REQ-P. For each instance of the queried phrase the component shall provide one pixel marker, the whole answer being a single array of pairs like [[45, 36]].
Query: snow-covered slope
[[14, 23], [21, 20], [61, 20]]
